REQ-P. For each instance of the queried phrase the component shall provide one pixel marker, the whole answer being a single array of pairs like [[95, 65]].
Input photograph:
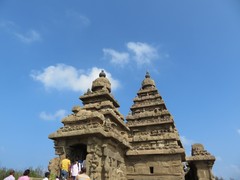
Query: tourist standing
[[25, 175], [84, 163], [47, 174], [74, 170], [83, 175], [65, 168], [11, 175]]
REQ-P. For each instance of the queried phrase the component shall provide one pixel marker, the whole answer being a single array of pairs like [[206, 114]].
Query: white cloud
[[143, 52], [29, 37], [238, 131], [116, 57], [139, 52], [57, 115], [64, 77]]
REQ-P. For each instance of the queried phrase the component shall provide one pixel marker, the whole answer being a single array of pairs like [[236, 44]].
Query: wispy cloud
[[218, 158], [27, 37], [137, 52], [57, 115], [236, 168], [116, 57], [143, 52], [7, 25], [64, 77], [2, 149], [76, 16], [187, 143]]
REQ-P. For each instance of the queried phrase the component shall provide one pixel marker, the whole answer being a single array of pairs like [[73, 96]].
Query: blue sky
[[50, 52]]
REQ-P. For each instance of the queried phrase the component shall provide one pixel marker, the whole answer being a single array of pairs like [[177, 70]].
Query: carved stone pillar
[[94, 159], [203, 170]]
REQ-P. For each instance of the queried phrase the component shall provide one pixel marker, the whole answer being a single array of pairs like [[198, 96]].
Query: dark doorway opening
[[78, 152]]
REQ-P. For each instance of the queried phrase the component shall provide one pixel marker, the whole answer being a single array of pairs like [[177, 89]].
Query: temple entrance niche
[[78, 152]]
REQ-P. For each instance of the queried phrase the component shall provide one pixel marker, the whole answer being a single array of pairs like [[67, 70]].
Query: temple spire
[[147, 75], [148, 82]]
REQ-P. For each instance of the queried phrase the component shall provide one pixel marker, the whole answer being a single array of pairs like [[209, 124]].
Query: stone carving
[[107, 167], [159, 120], [120, 172], [198, 149], [108, 124], [54, 166], [59, 150]]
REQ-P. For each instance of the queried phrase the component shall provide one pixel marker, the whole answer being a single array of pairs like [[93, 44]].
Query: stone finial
[[102, 74], [147, 75], [147, 82], [101, 83]]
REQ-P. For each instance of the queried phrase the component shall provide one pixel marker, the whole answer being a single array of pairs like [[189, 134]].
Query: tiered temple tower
[[157, 152], [147, 146], [96, 132]]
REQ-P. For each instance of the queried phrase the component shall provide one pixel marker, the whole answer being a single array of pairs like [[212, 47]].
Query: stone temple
[[144, 146]]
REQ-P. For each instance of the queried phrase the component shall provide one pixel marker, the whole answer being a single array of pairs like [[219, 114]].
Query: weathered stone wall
[[154, 166], [114, 164]]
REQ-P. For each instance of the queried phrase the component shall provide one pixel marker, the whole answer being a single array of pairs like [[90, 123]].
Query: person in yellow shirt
[[65, 167]]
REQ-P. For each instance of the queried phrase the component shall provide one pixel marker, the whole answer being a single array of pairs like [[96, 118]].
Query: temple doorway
[[78, 152]]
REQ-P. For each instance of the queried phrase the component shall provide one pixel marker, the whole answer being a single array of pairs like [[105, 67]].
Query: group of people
[[77, 170], [25, 175]]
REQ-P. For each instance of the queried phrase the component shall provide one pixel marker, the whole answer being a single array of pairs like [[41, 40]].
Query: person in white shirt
[[74, 170], [47, 174], [11, 175]]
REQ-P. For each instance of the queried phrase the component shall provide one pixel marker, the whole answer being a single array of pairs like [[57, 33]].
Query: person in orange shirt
[[65, 167]]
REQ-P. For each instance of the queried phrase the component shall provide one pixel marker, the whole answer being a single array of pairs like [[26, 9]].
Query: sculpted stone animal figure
[[54, 165]]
